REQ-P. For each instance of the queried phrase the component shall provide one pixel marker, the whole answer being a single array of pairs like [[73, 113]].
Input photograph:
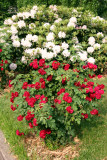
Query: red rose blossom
[[94, 112], [19, 133], [69, 110], [20, 118]]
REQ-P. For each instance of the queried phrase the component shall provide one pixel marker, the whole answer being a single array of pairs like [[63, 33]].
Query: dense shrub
[[53, 33], [97, 6], [54, 99]]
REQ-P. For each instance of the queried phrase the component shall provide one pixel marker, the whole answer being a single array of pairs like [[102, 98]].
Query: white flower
[[26, 43], [52, 27], [56, 49], [104, 40], [46, 24], [29, 37], [96, 46], [14, 17], [14, 30], [73, 20], [26, 15], [50, 36], [13, 66], [83, 56], [8, 22], [21, 24], [66, 53], [16, 43], [2, 41], [32, 12], [53, 7], [71, 24], [65, 45], [32, 26], [34, 38], [58, 20], [91, 60], [91, 41], [100, 34], [46, 55], [84, 27], [23, 60], [20, 14], [14, 37], [90, 49], [61, 34], [49, 45]]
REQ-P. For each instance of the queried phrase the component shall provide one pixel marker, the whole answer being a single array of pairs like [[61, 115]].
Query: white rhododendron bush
[[65, 34], [56, 52]]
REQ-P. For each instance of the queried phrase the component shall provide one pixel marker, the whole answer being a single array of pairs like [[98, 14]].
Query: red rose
[[42, 71], [66, 67], [84, 115], [26, 94], [57, 101], [35, 122], [43, 85], [30, 125], [85, 80], [2, 69], [10, 85], [37, 97], [49, 78], [61, 91], [31, 101], [12, 108], [94, 112], [69, 110], [99, 76], [41, 80], [42, 134], [0, 50], [6, 62], [20, 118], [98, 96], [25, 85], [16, 94], [37, 85], [41, 62], [55, 65], [88, 99], [64, 81], [18, 133], [48, 131]]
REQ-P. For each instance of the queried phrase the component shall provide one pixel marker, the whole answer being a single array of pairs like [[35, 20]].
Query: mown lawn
[[94, 134], [93, 137], [9, 125]]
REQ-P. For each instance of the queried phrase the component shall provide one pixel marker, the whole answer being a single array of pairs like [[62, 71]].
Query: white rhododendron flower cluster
[[48, 33]]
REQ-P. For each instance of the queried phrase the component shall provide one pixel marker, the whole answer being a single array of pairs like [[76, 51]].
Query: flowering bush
[[64, 34], [54, 49], [53, 98]]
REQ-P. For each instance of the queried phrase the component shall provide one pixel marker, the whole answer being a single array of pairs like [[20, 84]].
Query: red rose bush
[[54, 98]]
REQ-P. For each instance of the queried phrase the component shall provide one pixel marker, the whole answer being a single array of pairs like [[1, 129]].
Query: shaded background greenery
[[99, 7]]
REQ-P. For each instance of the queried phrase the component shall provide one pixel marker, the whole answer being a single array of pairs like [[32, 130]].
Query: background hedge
[[99, 7]]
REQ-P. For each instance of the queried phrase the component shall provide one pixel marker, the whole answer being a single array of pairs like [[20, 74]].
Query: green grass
[[94, 134], [93, 137], [9, 125]]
